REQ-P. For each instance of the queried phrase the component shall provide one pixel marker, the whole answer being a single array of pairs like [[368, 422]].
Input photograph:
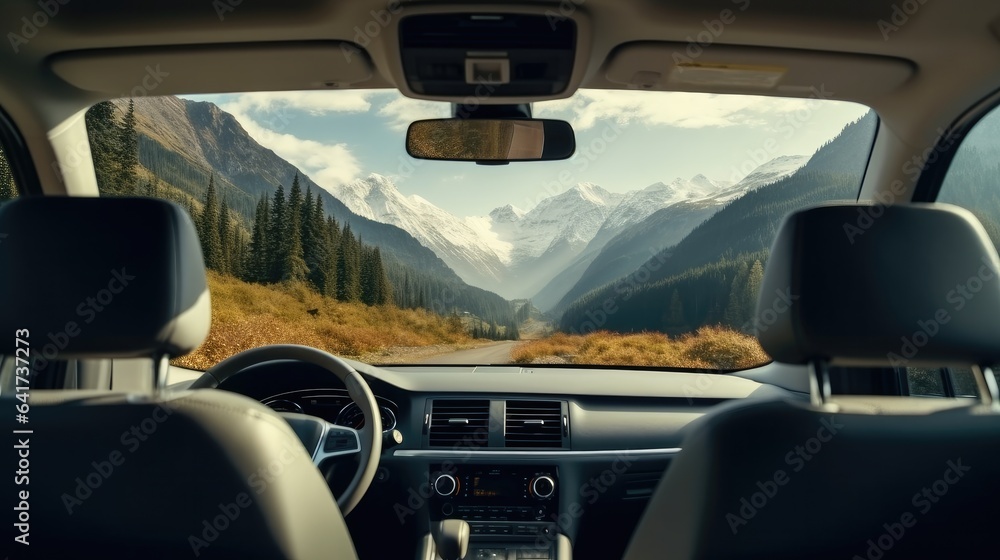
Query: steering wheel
[[321, 438]]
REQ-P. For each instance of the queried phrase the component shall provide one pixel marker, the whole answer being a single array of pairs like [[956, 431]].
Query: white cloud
[[682, 110], [401, 111], [328, 165], [312, 102]]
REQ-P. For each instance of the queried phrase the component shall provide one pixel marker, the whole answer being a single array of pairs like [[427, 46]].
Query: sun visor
[[215, 69], [747, 70]]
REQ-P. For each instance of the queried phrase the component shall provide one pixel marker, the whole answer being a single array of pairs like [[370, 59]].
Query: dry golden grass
[[250, 315], [710, 347]]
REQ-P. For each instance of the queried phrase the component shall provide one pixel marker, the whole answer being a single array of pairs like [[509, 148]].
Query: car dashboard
[[529, 456]]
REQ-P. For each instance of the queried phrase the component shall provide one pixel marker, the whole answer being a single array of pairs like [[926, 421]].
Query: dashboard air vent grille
[[459, 422], [533, 424]]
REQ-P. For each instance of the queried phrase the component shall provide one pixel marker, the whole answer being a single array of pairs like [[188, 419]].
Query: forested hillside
[[712, 275], [288, 237]]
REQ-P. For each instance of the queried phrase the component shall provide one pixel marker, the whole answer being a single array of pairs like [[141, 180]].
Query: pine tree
[[348, 267], [257, 268], [754, 280], [367, 276], [276, 237], [226, 247], [102, 130], [736, 308], [195, 216], [211, 244], [239, 243], [294, 268], [315, 244], [128, 152], [383, 288], [676, 317], [332, 256]]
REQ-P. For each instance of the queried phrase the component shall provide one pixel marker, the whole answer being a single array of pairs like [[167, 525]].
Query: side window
[[8, 190], [944, 382], [971, 181], [963, 382], [925, 382]]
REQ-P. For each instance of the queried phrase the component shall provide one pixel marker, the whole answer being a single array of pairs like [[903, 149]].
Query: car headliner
[[920, 64]]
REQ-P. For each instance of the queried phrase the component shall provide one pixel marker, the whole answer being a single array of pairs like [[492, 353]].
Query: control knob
[[446, 485], [543, 487]]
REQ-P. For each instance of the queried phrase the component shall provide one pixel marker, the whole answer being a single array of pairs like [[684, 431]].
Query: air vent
[[533, 424], [460, 423]]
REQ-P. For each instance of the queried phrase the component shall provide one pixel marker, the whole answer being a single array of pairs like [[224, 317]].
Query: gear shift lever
[[451, 538]]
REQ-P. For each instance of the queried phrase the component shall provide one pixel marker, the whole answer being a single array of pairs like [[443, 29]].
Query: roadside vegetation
[[246, 315], [709, 347]]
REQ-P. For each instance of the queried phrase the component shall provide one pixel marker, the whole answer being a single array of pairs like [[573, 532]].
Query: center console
[[511, 509]]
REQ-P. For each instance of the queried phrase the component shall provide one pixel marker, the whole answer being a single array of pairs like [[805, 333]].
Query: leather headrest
[[898, 285], [102, 277]]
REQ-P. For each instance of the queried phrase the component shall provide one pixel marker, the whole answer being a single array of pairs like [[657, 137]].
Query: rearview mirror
[[490, 140]]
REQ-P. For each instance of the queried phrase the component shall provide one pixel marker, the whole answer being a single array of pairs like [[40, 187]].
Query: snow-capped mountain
[[777, 168], [649, 220], [467, 250], [636, 206], [519, 253], [549, 236], [506, 214], [571, 217]]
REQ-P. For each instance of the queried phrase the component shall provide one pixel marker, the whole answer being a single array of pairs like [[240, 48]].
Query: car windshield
[[645, 248]]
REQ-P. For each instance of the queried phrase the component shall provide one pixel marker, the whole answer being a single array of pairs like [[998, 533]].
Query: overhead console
[[490, 56], [462, 54]]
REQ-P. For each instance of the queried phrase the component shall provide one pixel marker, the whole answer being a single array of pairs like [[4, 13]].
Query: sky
[[626, 140]]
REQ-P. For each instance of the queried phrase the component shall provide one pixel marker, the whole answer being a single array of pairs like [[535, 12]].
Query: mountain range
[[542, 253], [564, 254]]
